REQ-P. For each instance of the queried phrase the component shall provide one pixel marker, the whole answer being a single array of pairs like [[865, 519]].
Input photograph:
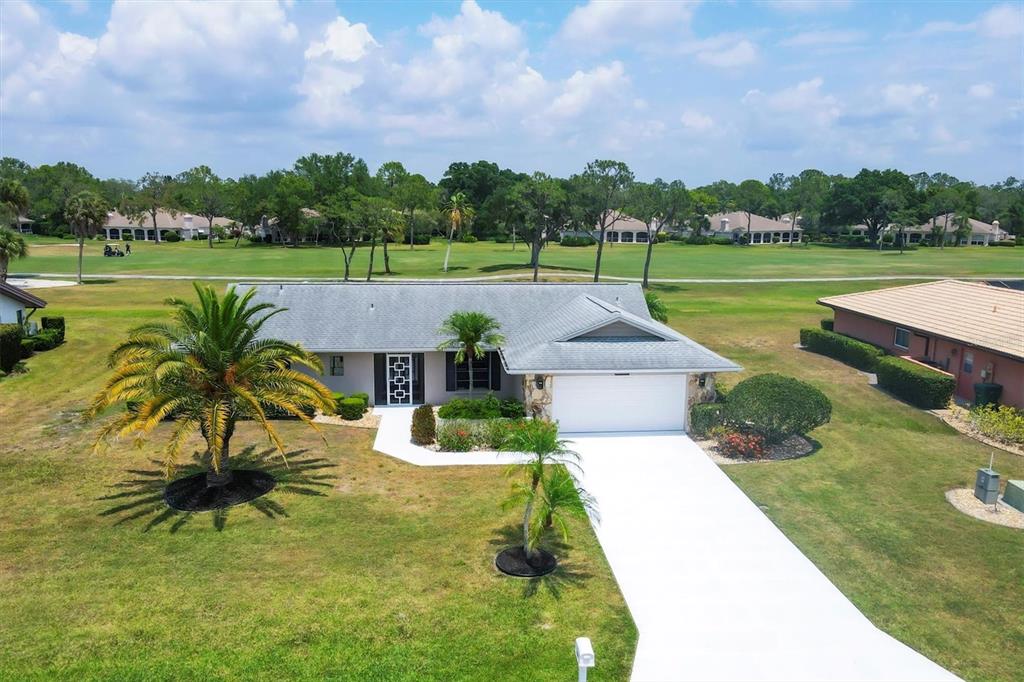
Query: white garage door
[[633, 402]]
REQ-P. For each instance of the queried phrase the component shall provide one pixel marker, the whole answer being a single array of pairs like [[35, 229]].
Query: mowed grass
[[671, 260], [357, 567], [868, 507]]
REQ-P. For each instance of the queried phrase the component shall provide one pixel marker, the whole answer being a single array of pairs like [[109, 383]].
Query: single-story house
[[625, 230], [268, 231], [23, 225], [586, 355], [970, 330], [982, 234], [186, 225], [762, 230], [17, 306]]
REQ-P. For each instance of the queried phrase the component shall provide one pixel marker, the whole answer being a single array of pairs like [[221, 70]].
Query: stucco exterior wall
[[9, 310], [947, 354], [358, 376]]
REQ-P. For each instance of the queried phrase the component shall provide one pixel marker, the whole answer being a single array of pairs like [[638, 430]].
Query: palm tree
[[469, 334], [962, 223], [206, 370], [548, 496], [656, 307], [87, 212], [13, 199], [459, 213], [12, 245]]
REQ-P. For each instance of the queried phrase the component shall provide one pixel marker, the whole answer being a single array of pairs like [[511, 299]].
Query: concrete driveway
[[716, 590]]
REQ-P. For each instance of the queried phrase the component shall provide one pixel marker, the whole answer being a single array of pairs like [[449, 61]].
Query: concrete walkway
[[716, 590], [543, 273]]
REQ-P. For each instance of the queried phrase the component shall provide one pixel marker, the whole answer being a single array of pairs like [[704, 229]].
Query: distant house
[[17, 305], [625, 230], [268, 231], [23, 225], [982, 234], [971, 330], [762, 230], [186, 225]]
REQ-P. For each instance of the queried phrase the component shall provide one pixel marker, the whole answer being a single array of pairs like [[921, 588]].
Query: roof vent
[[371, 306], [618, 300]]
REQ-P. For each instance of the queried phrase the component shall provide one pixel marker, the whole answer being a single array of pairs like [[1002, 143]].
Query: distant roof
[[949, 219], [22, 220], [164, 221], [758, 223], [20, 295], [541, 323], [968, 312]]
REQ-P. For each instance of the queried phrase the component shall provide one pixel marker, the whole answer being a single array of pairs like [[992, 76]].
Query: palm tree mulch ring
[[512, 561], [193, 494]]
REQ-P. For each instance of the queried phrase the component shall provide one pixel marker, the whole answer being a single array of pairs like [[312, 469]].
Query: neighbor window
[[626, 237], [337, 365], [902, 339], [641, 237], [968, 362], [612, 236]]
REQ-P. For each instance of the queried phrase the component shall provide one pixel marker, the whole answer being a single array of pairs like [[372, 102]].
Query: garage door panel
[[632, 402]]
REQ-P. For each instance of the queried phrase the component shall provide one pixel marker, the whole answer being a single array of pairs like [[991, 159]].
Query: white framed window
[[901, 338], [641, 237], [337, 365], [968, 362], [612, 236], [626, 237]]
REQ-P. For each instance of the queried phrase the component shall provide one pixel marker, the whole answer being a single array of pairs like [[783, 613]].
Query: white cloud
[[908, 96], [601, 25], [585, 89], [1002, 21], [517, 87], [726, 50], [472, 28], [981, 90], [824, 38], [77, 6], [804, 104], [343, 42], [808, 6], [697, 122]]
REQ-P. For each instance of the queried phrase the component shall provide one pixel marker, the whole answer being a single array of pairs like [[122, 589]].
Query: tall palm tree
[[469, 335], [13, 199], [12, 245], [205, 370], [655, 306], [87, 212], [459, 212]]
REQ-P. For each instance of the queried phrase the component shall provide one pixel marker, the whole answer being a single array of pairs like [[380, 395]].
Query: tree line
[[335, 199]]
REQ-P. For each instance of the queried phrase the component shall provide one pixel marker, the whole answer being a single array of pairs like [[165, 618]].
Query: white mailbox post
[[584, 656]]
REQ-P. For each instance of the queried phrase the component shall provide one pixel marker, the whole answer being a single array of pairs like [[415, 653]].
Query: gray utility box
[[986, 486]]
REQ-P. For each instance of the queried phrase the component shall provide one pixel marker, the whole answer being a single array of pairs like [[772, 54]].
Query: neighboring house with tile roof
[[586, 355], [981, 234], [186, 225], [971, 330], [762, 230]]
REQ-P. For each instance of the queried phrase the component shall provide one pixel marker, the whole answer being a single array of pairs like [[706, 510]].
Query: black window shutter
[[449, 372], [417, 381], [495, 370], [380, 380]]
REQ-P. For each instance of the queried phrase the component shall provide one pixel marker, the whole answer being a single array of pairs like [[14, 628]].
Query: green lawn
[[671, 260], [357, 567]]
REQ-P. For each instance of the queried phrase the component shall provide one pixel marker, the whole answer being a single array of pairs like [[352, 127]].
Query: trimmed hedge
[[171, 237], [488, 407], [351, 408], [777, 407], [55, 322], [424, 426], [918, 385], [365, 397], [47, 339], [856, 353], [10, 346], [704, 417], [578, 240], [828, 324]]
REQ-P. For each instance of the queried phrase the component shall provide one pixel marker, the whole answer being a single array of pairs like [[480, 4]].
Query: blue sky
[[690, 90]]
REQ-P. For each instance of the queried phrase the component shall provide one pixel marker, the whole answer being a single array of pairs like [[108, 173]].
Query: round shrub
[[351, 408], [424, 426], [456, 436], [171, 237], [777, 407], [365, 397], [704, 417]]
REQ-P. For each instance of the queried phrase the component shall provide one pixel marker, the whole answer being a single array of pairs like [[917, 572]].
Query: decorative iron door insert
[[399, 379]]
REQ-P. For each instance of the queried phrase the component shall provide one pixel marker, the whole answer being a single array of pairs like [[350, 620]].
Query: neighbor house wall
[[878, 333], [9, 310]]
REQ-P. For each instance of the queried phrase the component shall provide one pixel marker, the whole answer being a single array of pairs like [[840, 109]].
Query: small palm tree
[[458, 212], [656, 307], [12, 246], [206, 370], [14, 199], [543, 494], [469, 335], [87, 212]]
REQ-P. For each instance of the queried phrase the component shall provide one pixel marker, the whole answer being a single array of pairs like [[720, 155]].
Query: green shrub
[[127, 237], [856, 353], [55, 322], [1001, 422], [171, 237], [424, 426], [28, 348], [338, 397], [457, 436], [777, 407], [918, 385], [1005, 242], [47, 339], [512, 409], [421, 238], [469, 239], [351, 408], [365, 397], [722, 241], [10, 346], [578, 240], [828, 324], [704, 417], [488, 407], [275, 412]]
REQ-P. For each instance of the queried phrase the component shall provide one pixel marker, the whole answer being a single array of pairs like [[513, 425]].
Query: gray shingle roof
[[537, 320]]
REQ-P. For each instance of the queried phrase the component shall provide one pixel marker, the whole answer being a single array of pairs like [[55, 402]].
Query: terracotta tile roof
[[164, 221], [758, 223], [969, 312]]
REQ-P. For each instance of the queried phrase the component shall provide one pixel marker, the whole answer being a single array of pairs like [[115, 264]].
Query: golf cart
[[111, 249]]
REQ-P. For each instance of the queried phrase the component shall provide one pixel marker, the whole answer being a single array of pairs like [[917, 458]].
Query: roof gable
[[21, 296]]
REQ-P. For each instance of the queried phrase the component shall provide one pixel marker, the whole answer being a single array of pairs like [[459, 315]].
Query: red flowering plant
[[742, 445]]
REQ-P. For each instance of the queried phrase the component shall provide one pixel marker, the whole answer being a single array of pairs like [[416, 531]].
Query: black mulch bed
[[193, 495], [512, 561]]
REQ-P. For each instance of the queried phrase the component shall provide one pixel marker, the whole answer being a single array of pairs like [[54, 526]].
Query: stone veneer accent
[[695, 394], [537, 400]]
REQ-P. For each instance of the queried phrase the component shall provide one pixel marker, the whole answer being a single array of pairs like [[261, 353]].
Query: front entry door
[[400, 376]]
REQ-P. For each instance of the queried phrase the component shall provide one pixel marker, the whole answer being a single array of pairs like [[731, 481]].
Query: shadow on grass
[[526, 266], [141, 498], [567, 574], [91, 280]]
